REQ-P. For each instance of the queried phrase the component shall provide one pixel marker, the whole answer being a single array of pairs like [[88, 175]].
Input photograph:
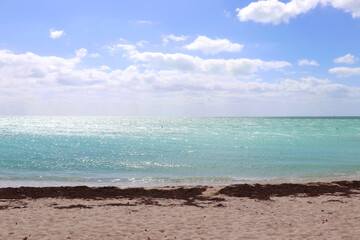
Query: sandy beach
[[282, 211]]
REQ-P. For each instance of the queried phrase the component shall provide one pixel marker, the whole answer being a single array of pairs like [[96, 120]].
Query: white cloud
[[122, 40], [345, 71], [348, 59], [303, 62], [183, 62], [56, 33], [81, 53], [144, 22], [104, 68], [351, 6], [174, 38], [210, 46], [312, 85], [31, 69], [94, 55], [141, 43], [276, 12], [121, 47]]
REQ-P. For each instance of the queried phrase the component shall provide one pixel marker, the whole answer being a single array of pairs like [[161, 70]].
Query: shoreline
[[39, 183]]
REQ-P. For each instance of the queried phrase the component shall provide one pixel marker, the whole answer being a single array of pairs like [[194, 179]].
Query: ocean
[[162, 151]]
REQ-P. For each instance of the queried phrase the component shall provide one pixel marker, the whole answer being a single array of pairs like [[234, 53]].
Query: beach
[[180, 120], [267, 211]]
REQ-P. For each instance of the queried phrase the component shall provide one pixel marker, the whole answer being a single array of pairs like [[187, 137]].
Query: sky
[[180, 58]]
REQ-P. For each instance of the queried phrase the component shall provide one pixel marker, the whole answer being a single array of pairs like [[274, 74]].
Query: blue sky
[[180, 58]]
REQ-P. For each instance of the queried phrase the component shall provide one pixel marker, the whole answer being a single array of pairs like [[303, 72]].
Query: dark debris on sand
[[265, 191], [95, 193], [143, 196], [190, 195], [74, 206]]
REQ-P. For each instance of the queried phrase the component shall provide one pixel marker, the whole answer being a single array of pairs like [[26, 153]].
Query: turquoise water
[[152, 151]]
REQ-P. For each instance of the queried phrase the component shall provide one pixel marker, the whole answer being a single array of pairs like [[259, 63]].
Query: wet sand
[[260, 211]]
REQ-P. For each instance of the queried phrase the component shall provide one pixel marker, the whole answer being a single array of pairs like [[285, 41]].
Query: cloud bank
[[39, 82], [32, 70], [188, 63]]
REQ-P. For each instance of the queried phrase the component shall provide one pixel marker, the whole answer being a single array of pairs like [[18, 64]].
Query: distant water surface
[[157, 151]]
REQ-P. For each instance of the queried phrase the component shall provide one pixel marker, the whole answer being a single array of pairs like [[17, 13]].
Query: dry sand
[[329, 216]]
